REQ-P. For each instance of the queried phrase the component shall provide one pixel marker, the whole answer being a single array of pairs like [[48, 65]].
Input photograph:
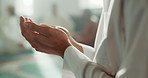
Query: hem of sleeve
[[88, 51], [75, 60]]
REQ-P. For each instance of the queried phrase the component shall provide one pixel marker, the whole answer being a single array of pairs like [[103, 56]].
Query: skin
[[47, 39]]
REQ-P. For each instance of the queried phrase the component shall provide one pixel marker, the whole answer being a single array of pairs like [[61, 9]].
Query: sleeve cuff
[[88, 51], [75, 60]]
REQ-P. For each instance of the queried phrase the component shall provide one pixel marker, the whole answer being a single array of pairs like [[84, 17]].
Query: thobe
[[121, 44]]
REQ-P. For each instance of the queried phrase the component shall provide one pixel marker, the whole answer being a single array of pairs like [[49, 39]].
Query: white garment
[[120, 51]]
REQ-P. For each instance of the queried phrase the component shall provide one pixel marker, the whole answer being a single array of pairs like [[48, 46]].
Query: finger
[[27, 38], [30, 38], [22, 24], [36, 42], [40, 47], [24, 31], [30, 20], [38, 28], [44, 25], [26, 19], [46, 49], [64, 29], [39, 38], [42, 40], [26, 25], [41, 43], [22, 20], [33, 44], [35, 36], [60, 28]]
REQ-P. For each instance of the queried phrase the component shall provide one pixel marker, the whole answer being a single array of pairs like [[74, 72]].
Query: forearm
[[85, 49], [76, 44]]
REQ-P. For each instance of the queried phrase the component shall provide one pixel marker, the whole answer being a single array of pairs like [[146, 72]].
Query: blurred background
[[17, 58]]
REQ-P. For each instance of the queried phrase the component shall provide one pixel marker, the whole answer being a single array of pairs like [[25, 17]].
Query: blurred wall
[[0, 8], [43, 7], [4, 4], [66, 8], [69, 7]]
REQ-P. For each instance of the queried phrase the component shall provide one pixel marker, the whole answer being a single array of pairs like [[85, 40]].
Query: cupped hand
[[47, 39]]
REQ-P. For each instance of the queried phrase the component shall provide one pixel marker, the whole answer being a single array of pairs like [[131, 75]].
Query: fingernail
[[21, 18]]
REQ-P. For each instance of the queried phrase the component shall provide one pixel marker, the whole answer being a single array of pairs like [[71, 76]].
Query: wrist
[[76, 44], [65, 46]]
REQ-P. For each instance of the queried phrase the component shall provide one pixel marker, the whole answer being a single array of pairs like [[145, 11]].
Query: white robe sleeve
[[82, 66], [88, 51], [135, 64]]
